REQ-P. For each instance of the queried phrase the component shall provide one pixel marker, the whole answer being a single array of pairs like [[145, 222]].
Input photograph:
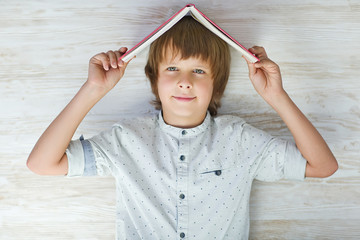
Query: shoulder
[[128, 129], [236, 125], [142, 123], [228, 126], [228, 121]]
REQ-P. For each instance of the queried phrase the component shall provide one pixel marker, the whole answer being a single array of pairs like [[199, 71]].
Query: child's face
[[185, 89]]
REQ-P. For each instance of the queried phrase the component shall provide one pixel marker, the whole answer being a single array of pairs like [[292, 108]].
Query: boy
[[183, 173]]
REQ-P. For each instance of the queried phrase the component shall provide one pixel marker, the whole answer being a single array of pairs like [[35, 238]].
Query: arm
[[266, 78], [48, 156]]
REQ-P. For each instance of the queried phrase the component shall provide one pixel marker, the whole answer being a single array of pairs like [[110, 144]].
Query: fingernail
[[121, 63]]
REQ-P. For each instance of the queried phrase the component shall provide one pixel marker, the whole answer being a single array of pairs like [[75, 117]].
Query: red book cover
[[199, 16]]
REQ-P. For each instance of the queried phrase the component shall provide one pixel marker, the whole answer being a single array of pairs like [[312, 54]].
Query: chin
[[185, 113]]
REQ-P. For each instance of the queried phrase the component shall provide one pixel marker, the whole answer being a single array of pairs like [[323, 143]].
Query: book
[[188, 10]]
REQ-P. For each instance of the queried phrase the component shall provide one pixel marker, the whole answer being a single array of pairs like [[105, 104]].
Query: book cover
[[189, 9]]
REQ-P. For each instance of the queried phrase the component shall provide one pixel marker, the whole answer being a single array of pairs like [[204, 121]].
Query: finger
[[251, 66], [113, 59], [119, 54], [126, 63], [101, 59], [259, 52], [120, 63], [267, 64], [123, 50]]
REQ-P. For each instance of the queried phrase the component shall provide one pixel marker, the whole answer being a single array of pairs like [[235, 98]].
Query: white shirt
[[175, 183]]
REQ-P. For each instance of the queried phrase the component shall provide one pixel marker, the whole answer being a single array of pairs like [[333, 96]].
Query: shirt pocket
[[217, 168], [217, 172], [214, 186], [221, 176]]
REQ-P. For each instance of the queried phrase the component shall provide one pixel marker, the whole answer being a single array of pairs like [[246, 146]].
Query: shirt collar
[[185, 132]]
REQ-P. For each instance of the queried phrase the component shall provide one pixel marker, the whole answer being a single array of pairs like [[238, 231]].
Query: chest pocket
[[221, 175], [216, 172], [218, 182], [217, 168]]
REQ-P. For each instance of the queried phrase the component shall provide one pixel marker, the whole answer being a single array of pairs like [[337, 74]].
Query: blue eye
[[171, 69], [199, 71]]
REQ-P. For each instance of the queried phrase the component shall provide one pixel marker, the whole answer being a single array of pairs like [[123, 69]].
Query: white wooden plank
[[44, 51]]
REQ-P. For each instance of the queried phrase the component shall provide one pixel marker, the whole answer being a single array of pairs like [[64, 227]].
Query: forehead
[[172, 55]]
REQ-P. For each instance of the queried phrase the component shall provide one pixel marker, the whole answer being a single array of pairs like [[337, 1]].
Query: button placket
[[182, 187]]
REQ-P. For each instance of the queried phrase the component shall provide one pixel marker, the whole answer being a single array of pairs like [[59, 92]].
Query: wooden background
[[44, 51]]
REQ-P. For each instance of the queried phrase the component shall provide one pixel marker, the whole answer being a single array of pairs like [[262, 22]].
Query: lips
[[184, 99]]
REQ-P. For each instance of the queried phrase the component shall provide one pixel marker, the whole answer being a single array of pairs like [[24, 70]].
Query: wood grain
[[45, 47]]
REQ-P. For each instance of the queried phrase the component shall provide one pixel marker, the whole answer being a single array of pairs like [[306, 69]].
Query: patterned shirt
[[175, 183]]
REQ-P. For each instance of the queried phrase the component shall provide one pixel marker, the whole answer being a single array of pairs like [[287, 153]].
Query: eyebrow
[[197, 66]]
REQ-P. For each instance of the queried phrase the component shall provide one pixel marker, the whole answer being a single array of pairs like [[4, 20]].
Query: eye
[[171, 69], [199, 71]]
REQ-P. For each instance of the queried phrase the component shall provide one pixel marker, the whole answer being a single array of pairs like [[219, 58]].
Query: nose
[[185, 83]]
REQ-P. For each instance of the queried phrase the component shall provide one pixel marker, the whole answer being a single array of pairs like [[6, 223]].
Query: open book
[[191, 10]]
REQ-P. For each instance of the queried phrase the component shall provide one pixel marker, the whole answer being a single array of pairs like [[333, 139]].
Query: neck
[[184, 121]]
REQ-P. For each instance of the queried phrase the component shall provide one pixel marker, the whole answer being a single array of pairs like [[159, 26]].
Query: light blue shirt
[[175, 183]]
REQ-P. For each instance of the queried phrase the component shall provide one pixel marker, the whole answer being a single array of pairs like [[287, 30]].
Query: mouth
[[184, 99]]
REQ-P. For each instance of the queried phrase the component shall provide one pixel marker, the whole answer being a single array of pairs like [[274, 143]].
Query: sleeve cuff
[[90, 165]]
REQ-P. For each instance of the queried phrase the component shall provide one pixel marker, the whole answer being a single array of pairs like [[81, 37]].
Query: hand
[[106, 69], [265, 75], [266, 78]]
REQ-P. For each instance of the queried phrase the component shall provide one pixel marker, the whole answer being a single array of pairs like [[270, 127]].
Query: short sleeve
[[76, 160], [271, 158], [295, 163], [81, 158], [97, 155]]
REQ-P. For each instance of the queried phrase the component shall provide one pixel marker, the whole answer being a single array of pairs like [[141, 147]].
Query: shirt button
[[182, 196], [182, 235], [183, 132], [218, 172], [182, 157]]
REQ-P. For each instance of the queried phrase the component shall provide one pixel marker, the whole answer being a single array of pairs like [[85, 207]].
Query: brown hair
[[190, 38]]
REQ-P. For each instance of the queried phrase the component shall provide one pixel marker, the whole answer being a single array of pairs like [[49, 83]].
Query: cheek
[[163, 86], [207, 91]]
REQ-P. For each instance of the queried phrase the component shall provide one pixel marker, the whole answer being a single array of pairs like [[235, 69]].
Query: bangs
[[189, 39]]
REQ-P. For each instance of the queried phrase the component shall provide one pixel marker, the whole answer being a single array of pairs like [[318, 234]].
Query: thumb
[[262, 63], [124, 64], [251, 66], [268, 66]]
